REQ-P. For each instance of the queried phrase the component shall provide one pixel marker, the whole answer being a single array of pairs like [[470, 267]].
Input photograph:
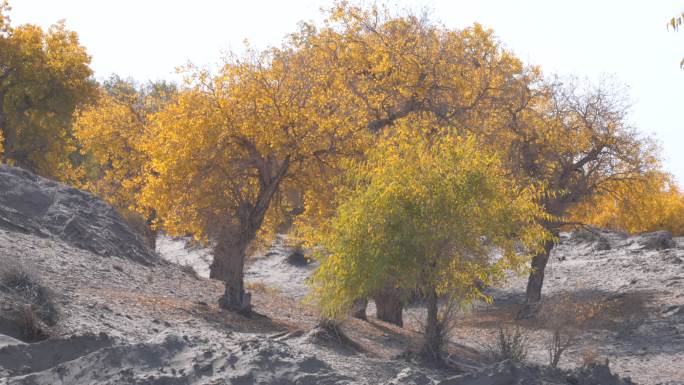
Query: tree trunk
[[432, 346], [389, 306], [535, 282], [228, 266], [229, 253], [359, 309]]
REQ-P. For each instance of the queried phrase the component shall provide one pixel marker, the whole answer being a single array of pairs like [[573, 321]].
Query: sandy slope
[[123, 322], [157, 324]]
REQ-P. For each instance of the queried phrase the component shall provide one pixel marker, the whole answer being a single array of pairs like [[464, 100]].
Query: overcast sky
[[627, 39]]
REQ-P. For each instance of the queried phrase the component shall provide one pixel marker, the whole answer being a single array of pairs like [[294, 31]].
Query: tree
[[573, 139], [395, 69], [110, 133], [427, 215], [44, 77], [576, 141], [231, 143]]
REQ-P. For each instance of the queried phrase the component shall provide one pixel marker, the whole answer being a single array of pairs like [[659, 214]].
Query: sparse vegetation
[[33, 304], [510, 344], [590, 356], [565, 320], [261, 288]]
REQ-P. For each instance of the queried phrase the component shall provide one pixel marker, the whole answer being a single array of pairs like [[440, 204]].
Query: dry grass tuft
[[510, 344], [33, 307], [566, 319], [261, 288]]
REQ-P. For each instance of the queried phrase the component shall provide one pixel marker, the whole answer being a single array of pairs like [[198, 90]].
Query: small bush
[[31, 329], [566, 319], [590, 356], [330, 332], [559, 340], [33, 301], [511, 344], [261, 287]]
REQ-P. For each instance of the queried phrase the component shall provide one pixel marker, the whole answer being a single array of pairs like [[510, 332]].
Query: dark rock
[[602, 244], [34, 205], [659, 240], [297, 258]]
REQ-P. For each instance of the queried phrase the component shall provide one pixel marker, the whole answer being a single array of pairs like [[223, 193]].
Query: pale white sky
[[627, 39]]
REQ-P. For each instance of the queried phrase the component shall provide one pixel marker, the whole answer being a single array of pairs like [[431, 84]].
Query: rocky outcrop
[[658, 240], [34, 205]]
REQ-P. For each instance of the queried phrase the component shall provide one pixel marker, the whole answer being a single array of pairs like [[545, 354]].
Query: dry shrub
[[434, 346], [330, 332], [590, 356], [31, 329], [510, 344], [33, 301], [261, 287], [566, 319], [627, 311]]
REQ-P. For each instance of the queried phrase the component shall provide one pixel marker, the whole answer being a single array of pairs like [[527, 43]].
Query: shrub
[[510, 344], [35, 307], [566, 319], [590, 356], [427, 215]]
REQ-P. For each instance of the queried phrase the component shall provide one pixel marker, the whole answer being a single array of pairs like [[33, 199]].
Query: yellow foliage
[[44, 76], [652, 202], [570, 138], [110, 133], [233, 151], [229, 145]]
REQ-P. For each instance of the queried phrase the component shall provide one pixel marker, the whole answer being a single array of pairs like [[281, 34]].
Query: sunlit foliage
[[44, 76], [653, 202], [426, 215], [110, 133], [227, 147], [231, 153]]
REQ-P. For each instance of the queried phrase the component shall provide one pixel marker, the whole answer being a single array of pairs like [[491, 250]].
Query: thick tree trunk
[[228, 266], [389, 306], [432, 346], [359, 309], [535, 282], [229, 253]]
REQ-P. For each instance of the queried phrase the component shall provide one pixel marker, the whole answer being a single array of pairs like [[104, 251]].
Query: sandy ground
[[641, 331], [122, 322]]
